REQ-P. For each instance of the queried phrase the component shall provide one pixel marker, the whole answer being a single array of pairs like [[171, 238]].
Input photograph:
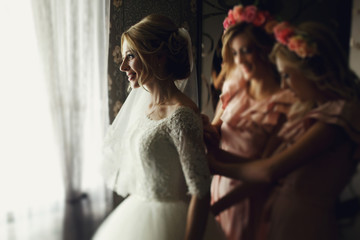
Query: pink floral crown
[[249, 14], [299, 43]]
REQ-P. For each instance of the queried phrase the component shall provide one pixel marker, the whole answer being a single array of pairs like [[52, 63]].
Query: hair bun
[[180, 55]]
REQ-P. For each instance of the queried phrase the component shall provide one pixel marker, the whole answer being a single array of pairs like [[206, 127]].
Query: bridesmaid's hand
[[211, 135], [215, 209]]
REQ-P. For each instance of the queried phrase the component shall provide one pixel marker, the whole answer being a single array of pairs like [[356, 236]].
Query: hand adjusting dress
[[167, 164]]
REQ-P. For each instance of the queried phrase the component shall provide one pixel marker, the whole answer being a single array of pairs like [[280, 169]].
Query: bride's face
[[131, 65]]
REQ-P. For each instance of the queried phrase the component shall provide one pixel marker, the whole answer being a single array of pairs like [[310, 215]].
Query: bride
[[154, 150]]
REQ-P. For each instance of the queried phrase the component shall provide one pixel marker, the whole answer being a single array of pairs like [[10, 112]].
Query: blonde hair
[[328, 69], [261, 41], [157, 35]]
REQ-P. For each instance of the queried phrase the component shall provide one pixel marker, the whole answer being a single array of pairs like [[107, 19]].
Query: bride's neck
[[162, 91]]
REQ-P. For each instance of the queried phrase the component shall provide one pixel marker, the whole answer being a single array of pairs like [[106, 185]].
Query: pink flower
[[296, 42], [231, 15], [301, 47], [250, 13], [283, 31], [238, 13], [298, 45], [229, 21], [226, 23], [260, 19]]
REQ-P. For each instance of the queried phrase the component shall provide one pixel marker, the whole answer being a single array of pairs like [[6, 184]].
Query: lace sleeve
[[186, 132]]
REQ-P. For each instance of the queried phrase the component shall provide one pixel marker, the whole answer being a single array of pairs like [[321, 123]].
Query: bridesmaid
[[252, 109]]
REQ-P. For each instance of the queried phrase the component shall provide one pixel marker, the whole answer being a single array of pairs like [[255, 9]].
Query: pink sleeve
[[344, 114], [242, 111], [231, 87]]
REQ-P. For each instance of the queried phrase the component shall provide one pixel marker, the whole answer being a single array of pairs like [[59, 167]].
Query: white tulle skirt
[[139, 219]]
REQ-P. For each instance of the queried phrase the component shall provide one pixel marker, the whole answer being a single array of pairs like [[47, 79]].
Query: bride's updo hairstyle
[[156, 36]]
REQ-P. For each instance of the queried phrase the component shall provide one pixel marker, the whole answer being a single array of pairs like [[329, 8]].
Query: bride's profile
[[154, 149]]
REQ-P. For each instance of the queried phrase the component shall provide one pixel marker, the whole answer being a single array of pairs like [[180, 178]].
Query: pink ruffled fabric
[[240, 109], [247, 123], [231, 87]]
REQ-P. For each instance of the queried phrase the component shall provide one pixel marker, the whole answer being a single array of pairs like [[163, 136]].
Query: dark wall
[[334, 13]]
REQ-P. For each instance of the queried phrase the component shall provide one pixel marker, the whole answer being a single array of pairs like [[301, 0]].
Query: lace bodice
[[167, 158]]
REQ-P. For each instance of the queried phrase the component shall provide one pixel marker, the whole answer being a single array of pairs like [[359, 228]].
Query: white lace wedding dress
[[168, 165]]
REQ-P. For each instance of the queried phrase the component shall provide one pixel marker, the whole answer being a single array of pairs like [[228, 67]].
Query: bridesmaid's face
[[293, 78], [245, 56]]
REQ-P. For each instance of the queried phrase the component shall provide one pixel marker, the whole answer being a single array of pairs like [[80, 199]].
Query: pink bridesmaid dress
[[304, 202], [246, 127]]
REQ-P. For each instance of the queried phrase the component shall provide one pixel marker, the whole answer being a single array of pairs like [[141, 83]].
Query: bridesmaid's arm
[[237, 194], [319, 138], [197, 217], [247, 189], [215, 155]]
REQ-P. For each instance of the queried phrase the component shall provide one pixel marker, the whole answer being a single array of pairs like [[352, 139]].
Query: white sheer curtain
[[32, 193], [49, 178]]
